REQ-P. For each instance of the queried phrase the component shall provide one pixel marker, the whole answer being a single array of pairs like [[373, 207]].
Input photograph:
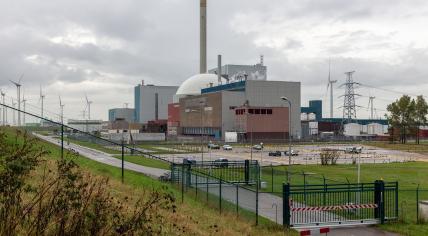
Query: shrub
[[329, 156], [61, 199]]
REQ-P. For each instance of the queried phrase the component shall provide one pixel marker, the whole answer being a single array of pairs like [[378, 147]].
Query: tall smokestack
[[219, 68], [203, 37]]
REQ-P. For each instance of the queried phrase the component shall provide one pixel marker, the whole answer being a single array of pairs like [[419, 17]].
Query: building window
[[251, 111], [257, 111], [263, 111], [269, 111]]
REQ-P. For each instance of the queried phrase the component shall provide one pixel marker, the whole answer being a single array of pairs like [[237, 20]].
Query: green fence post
[[417, 205], [379, 196], [247, 171], [207, 188], [237, 200], [396, 200], [220, 193], [62, 141], [182, 183], [257, 199], [196, 185], [286, 205], [123, 164], [271, 171]]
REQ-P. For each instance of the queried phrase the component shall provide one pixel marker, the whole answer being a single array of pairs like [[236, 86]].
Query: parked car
[[293, 153], [189, 161], [257, 147], [213, 146], [221, 162], [275, 154], [354, 150], [165, 177], [227, 147]]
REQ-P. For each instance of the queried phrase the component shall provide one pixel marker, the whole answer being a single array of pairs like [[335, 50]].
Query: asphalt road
[[105, 157]]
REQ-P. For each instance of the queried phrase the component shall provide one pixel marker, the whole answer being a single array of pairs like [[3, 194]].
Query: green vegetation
[[92, 145], [408, 175], [407, 114], [145, 161], [191, 217]]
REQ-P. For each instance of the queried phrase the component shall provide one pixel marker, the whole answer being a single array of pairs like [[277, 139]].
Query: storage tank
[[352, 129], [303, 116], [312, 116], [375, 128]]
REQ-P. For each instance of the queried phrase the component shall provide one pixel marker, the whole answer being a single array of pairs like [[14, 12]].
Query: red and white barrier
[[332, 208], [314, 231]]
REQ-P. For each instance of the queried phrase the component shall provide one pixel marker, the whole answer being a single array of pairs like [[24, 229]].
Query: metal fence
[[340, 204], [217, 192]]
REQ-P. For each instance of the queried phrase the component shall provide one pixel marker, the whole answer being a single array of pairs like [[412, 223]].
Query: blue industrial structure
[[235, 86], [315, 106]]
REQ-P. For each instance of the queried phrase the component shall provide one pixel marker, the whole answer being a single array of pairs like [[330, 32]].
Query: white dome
[[194, 84]]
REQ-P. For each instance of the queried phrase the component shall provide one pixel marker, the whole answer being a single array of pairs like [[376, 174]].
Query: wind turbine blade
[[19, 81]]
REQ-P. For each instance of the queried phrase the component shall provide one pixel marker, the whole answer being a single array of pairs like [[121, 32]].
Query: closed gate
[[339, 204]]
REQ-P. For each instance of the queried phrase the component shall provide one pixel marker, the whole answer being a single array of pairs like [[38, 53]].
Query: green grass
[[408, 175], [145, 161], [92, 145]]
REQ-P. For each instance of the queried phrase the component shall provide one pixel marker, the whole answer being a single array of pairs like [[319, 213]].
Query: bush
[[41, 198], [329, 156]]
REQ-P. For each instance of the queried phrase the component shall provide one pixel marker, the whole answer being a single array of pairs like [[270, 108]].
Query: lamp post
[[201, 103], [289, 135]]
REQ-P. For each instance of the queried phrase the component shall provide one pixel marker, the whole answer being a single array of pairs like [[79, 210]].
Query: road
[[105, 157]]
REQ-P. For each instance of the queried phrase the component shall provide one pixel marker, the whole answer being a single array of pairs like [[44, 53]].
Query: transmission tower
[[349, 107]]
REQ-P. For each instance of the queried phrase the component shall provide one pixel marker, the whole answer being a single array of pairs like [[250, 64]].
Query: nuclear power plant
[[236, 100]]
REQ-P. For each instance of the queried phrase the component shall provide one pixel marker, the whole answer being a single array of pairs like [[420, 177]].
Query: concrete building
[[151, 102], [88, 126], [213, 111], [241, 72], [260, 123], [127, 114]]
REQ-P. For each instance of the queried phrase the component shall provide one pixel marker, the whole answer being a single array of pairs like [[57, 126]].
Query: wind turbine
[[4, 108], [23, 103], [88, 104], [42, 97], [61, 107], [371, 98], [18, 91], [330, 84]]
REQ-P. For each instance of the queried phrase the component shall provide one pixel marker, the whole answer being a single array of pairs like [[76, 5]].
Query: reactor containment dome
[[193, 85]]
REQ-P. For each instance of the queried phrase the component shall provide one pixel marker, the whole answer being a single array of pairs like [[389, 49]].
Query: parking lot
[[307, 154]]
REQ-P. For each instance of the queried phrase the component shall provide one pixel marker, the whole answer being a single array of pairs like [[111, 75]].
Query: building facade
[[151, 102], [213, 112], [127, 114]]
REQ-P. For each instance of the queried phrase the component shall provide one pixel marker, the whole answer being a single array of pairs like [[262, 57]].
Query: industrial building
[[239, 72], [89, 126], [313, 124], [212, 111], [151, 102], [127, 114]]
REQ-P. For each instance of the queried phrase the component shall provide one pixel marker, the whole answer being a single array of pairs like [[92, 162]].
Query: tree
[[402, 114], [421, 112]]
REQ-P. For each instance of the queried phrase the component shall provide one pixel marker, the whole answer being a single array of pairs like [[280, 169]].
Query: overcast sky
[[104, 48]]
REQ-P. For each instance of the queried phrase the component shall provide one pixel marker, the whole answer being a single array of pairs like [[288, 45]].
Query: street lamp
[[289, 134]]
